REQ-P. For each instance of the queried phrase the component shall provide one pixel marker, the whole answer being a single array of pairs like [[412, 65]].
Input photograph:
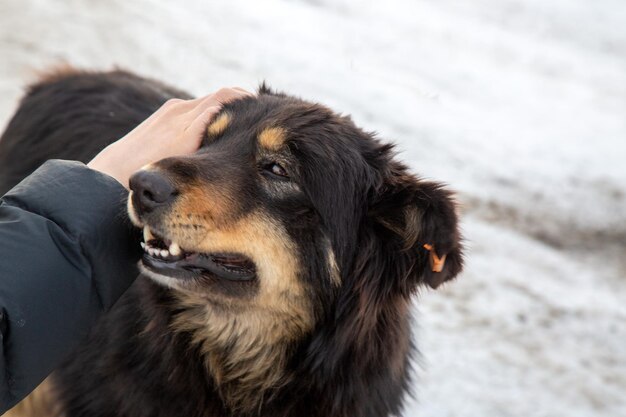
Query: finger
[[199, 124], [181, 107], [202, 106], [173, 102], [176, 105], [207, 117], [244, 91], [222, 96], [169, 107], [226, 95]]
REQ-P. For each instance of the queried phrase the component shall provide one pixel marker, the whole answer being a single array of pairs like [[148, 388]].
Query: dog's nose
[[151, 190]]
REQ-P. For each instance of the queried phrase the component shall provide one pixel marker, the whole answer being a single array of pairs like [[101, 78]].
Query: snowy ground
[[519, 104]]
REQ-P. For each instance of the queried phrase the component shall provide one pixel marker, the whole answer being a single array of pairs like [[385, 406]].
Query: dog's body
[[302, 242]]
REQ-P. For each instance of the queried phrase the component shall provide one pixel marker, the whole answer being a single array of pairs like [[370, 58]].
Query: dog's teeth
[[152, 251], [164, 253], [143, 245], [175, 249], [147, 234]]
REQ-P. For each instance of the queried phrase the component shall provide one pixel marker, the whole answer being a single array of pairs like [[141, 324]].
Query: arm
[[67, 251], [67, 256]]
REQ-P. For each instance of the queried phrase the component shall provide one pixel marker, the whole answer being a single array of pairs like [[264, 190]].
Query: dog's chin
[[163, 280]]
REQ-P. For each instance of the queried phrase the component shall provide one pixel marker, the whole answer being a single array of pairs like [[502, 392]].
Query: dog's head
[[287, 214]]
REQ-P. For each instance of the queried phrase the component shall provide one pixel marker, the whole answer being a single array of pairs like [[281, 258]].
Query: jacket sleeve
[[68, 253]]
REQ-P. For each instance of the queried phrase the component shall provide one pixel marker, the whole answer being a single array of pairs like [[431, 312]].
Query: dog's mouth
[[166, 257]]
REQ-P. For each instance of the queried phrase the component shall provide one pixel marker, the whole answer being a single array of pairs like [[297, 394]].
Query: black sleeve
[[67, 253]]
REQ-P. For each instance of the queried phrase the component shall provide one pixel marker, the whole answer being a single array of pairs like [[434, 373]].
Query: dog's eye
[[276, 169]]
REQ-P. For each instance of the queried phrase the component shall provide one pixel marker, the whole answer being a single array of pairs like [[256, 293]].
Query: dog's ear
[[420, 219]]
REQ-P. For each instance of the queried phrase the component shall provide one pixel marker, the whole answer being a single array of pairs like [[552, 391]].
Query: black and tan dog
[[279, 260]]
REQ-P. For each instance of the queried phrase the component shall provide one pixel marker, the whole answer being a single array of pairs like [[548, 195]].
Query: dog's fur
[[324, 328]]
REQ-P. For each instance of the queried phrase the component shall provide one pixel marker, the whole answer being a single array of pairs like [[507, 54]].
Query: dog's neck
[[245, 354]]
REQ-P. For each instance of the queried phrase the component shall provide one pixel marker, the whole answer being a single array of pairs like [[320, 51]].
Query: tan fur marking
[[198, 210], [245, 341], [272, 138], [333, 268], [131, 211], [149, 167], [219, 125], [206, 203], [245, 346], [40, 403], [267, 244]]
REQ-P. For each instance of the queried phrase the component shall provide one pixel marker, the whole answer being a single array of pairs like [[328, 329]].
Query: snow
[[519, 105]]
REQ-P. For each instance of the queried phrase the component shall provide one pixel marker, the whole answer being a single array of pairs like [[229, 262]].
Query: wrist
[[110, 161]]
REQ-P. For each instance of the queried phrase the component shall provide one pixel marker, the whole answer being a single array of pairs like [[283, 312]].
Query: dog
[[279, 261]]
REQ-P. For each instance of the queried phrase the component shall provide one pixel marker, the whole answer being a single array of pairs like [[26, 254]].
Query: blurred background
[[519, 105]]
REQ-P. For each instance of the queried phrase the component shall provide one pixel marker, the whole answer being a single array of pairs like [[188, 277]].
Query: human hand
[[174, 129]]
